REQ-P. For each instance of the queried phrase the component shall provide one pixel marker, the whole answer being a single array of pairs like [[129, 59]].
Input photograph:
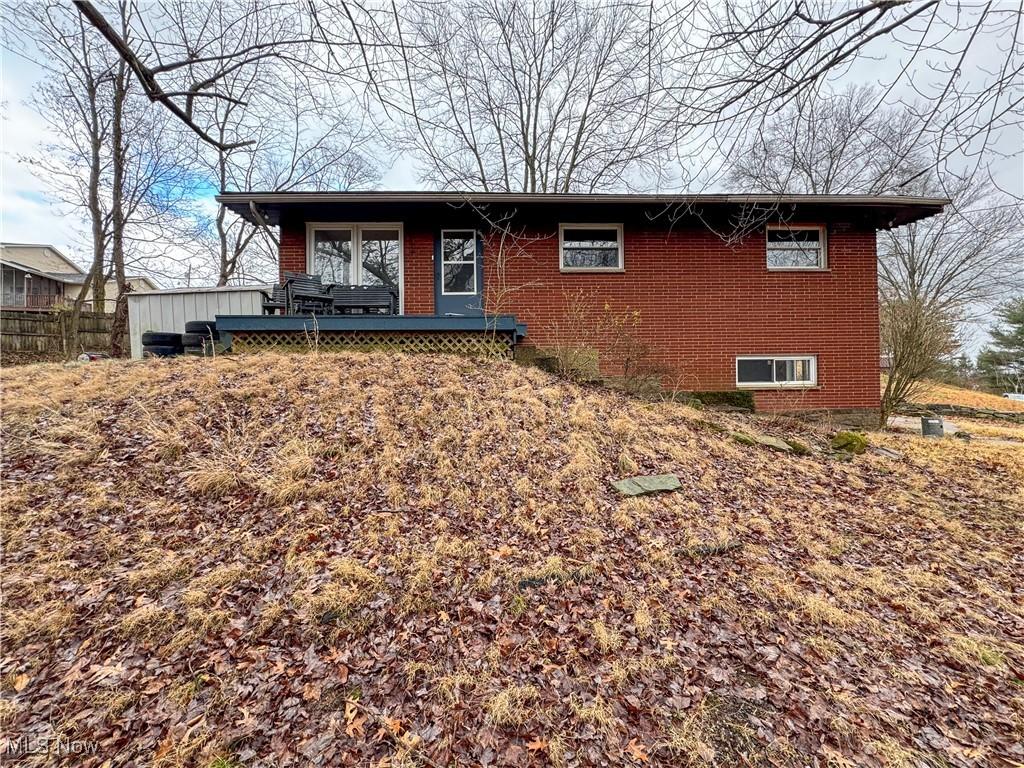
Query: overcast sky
[[26, 215]]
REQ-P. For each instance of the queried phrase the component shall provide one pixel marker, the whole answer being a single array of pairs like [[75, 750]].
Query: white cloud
[[27, 214]]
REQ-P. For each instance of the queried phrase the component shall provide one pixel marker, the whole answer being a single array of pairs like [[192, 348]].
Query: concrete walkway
[[913, 424]]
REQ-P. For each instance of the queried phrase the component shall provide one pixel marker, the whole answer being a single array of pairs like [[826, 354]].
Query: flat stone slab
[[742, 438], [889, 453], [638, 486], [764, 440], [774, 443]]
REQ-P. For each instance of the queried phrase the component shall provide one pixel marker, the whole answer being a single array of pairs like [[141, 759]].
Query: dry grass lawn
[[386, 561], [946, 394]]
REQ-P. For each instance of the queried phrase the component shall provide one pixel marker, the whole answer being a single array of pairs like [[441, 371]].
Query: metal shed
[[169, 310]]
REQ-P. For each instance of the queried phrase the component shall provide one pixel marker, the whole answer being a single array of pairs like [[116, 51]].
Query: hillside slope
[[947, 394], [406, 561]]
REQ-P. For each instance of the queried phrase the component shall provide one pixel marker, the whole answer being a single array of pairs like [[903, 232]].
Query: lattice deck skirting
[[478, 343]]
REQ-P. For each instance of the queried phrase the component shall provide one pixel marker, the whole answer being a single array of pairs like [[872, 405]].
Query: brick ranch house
[[774, 294]]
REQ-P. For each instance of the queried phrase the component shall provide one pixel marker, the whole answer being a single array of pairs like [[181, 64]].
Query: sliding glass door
[[356, 254], [332, 256], [380, 257]]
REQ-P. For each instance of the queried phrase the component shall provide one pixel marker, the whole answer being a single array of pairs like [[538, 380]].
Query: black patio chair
[[306, 294], [364, 300], [275, 301]]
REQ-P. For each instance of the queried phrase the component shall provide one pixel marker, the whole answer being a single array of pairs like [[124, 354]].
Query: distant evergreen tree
[[1001, 363], [959, 371]]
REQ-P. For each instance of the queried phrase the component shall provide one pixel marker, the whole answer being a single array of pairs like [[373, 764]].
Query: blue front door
[[458, 273]]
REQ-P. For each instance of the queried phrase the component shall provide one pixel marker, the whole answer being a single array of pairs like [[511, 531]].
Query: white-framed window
[[458, 262], [590, 247], [771, 371], [792, 246], [345, 253]]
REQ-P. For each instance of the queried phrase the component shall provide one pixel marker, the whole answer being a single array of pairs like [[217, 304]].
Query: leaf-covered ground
[[379, 560]]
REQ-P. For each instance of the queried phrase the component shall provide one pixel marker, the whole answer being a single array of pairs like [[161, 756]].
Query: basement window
[[590, 247], [793, 247], [770, 372]]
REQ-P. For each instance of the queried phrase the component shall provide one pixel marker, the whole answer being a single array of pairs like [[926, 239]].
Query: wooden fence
[[42, 333]]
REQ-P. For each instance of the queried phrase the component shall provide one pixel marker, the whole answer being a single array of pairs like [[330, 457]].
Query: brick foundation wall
[[701, 304]]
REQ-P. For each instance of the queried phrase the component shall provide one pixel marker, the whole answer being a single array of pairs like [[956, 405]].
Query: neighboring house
[[774, 294], [40, 277]]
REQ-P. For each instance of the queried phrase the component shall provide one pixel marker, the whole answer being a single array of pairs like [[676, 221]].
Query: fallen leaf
[[637, 751], [351, 710], [247, 722], [355, 727], [537, 745], [311, 691]]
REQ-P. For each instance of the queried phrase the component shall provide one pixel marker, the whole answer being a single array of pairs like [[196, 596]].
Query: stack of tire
[[201, 338], [160, 344]]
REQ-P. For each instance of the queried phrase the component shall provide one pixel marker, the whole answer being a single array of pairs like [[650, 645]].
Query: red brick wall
[[418, 266], [701, 304], [292, 253]]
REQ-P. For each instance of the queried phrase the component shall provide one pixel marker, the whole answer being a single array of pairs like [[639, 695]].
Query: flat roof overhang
[[883, 211]]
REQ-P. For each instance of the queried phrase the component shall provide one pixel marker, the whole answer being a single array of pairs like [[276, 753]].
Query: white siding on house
[[42, 257], [169, 310]]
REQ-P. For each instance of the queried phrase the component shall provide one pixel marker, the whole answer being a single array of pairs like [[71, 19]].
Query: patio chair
[[275, 301], [306, 294], [302, 276], [363, 300]]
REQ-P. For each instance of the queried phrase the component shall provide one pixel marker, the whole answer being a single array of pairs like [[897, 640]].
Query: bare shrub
[[917, 338], [588, 334]]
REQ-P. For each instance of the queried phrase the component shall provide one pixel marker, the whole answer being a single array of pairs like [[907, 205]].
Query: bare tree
[[965, 257], [831, 144], [260, 91], [112, 159], [73, 102], [734, 65], [301, 135], [572, 95], [286, 155], [182, 53], [549, 97]]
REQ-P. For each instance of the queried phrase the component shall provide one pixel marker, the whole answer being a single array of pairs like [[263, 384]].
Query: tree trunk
[[119, 327], [94, 279], [227, 265]]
